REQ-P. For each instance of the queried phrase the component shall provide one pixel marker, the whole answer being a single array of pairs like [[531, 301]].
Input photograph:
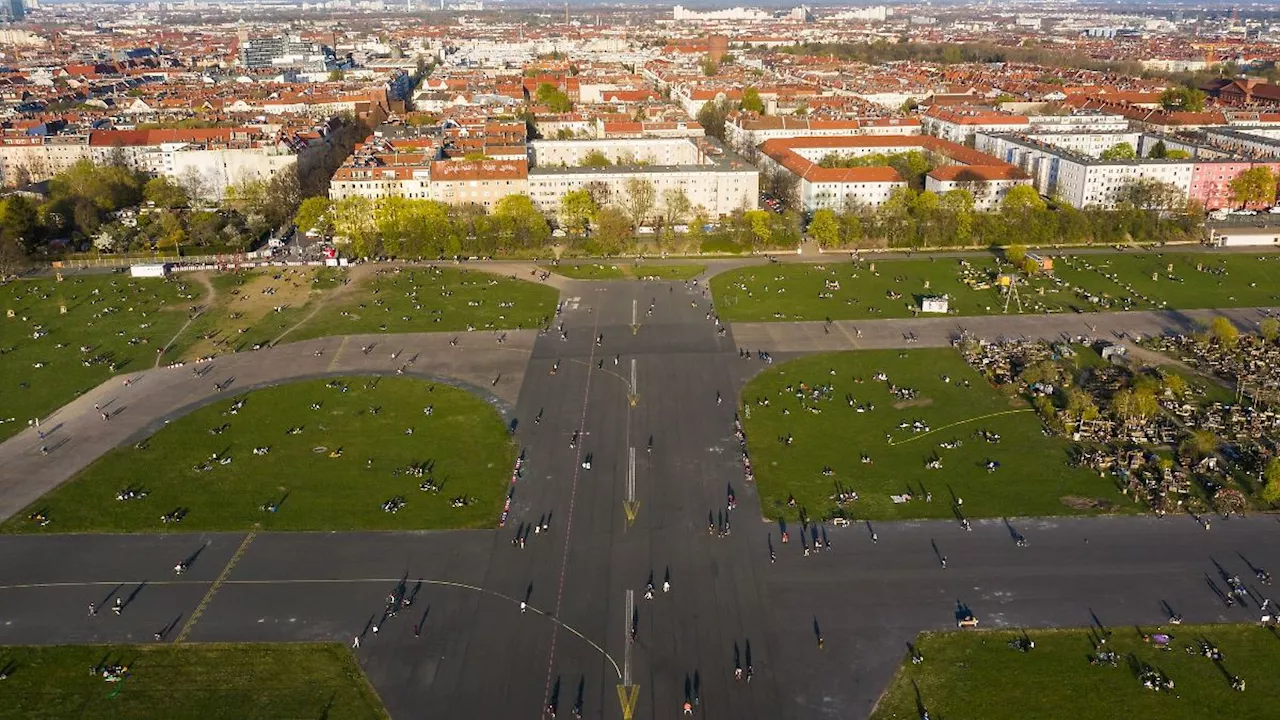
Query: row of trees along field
[[116, 209], [1147, 212]]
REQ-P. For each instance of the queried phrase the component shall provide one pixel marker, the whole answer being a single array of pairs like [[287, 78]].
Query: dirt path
[[355, 276], [210, 297], [1155, 359]]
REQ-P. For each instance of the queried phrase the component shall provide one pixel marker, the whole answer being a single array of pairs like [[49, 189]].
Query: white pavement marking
[[634, 389], [631, 476], [626, 655]]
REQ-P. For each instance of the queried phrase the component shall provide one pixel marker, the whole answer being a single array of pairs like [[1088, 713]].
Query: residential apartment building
[[716, 180], [208, 159], [822, 187], [744, 132], [987, 184], [1081, 180]]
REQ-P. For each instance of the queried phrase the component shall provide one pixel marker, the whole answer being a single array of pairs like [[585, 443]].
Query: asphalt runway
[[464, 647]]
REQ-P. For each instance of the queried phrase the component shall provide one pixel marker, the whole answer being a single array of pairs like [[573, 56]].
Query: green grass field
[[195, 682], [624, 270], [968, 674], [441, 299], [114, 323], [1114, 281], [1033, 477], [464, 438]]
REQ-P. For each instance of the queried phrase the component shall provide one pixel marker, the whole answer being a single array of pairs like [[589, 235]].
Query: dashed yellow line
[[208, 596], [333, 361]]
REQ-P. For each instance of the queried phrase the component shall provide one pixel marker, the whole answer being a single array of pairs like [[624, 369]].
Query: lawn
[[113, 324], [625, 271], [254, 307], [843, 290], [1033, 477], [434, 299], [968, 674], [464, 441], [187, 681]]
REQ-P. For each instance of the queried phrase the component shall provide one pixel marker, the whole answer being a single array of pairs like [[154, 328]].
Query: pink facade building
[[1211, 181]]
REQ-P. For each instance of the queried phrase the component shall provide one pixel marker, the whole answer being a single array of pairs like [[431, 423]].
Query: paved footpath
[[466, 645]]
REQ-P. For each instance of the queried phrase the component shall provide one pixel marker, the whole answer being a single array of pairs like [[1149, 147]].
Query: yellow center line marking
[[208, 596]]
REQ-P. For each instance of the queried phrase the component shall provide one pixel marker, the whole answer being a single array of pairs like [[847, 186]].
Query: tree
[[353, 219], [1256, 186], [577, 207], [1021, 198], [639, 199], [314, 213], [710, 67], [601, 192], [675, 206], [1269, 329], [1200, 443], [711, 117], [612, 230], [595, 159], [824, 228], [553, 97], [751, 101], [1271, 481], [1182, 98], [758, 225], [1223, 331], [13, 258], [1081, 405], [1119, 151], [164, 193], [1175, 384], [1158, 151], [1015, 254], [527, 225], [19, 222], [1151, 195]]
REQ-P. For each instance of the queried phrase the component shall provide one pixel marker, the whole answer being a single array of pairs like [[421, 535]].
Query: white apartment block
[[1080, 180], [1092, 144], [208, 160], [742, 132], [718, 190], [646, 151]]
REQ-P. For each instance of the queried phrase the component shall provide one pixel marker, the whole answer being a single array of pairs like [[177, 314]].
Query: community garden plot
[[443, 299], [112, 324], [363, 453], [1067, 674], [186, 682], [892, 434]]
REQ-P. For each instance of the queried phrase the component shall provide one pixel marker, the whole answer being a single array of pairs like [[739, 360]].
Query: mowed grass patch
[[968, 674], [1032, 478], [195, 682], [626, 271], [435, 299], [1183, 281], [895, 287], [349, 457], [252, 308], [113, 324]]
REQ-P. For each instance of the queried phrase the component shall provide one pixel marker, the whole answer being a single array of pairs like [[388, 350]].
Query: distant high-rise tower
[[17, 11]]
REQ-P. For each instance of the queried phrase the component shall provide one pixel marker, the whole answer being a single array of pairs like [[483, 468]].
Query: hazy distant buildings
[[681, 13], [13, 10]]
